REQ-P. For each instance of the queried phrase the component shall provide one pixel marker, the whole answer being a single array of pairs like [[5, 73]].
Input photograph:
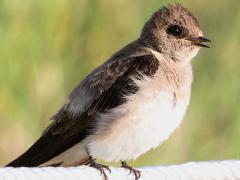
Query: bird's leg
[[136, 172], [100, 167]]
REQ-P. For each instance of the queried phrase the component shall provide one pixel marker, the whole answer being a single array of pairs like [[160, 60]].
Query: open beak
[[199, 41]]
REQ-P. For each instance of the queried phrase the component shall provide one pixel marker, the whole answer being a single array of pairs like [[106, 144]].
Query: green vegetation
[[47, 47]]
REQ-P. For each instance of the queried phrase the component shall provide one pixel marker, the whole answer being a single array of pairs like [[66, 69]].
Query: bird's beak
[[199, 41]]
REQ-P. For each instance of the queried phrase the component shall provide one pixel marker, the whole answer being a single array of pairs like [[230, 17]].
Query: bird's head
[[175, 32]]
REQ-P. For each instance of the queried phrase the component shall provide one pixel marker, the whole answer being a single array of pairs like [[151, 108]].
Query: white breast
[[144, 122]]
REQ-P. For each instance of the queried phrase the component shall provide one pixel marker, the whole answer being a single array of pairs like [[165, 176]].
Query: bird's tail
[[74, 156], [42, 153], [60, 160]]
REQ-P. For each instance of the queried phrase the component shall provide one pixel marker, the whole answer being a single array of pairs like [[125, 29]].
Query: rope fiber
[[209, 170]]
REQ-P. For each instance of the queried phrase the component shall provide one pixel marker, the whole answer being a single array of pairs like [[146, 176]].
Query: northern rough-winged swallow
[[128, 105]]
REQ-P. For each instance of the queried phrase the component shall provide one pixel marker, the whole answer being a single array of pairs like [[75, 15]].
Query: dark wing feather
[[124, 84], [107, 87]]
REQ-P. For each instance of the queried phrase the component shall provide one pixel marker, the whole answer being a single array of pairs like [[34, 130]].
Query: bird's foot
[[136, 172], [99, 167]]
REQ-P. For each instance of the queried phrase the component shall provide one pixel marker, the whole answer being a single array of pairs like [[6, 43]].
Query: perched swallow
[[128, 105]]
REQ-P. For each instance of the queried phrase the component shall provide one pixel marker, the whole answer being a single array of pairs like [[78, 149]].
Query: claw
[[99, 167], [130, 171], [137, 173]]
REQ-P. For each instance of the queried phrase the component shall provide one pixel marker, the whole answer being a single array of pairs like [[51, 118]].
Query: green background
[[47, 47]]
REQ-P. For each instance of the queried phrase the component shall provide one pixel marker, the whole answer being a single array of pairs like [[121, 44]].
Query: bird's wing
[[103, 89]]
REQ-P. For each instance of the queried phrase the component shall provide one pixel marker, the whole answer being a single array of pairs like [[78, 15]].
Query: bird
[[130, 104]]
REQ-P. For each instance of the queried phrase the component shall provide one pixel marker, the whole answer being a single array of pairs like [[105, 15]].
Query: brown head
[[175, 32]]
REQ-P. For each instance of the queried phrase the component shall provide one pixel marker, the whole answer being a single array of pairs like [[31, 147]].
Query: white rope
[[209, 170]]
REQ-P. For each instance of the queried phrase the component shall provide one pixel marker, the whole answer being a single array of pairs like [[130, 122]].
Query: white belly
[[144, 122]]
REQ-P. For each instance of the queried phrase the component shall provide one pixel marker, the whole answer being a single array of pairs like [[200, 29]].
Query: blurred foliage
[[47, 47]]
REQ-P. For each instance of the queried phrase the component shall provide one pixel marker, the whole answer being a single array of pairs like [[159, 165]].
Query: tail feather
[[63, 135], [74, 156], [45, 149]]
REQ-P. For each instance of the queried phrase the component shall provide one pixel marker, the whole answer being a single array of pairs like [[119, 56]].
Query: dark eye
[[175, 30]]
